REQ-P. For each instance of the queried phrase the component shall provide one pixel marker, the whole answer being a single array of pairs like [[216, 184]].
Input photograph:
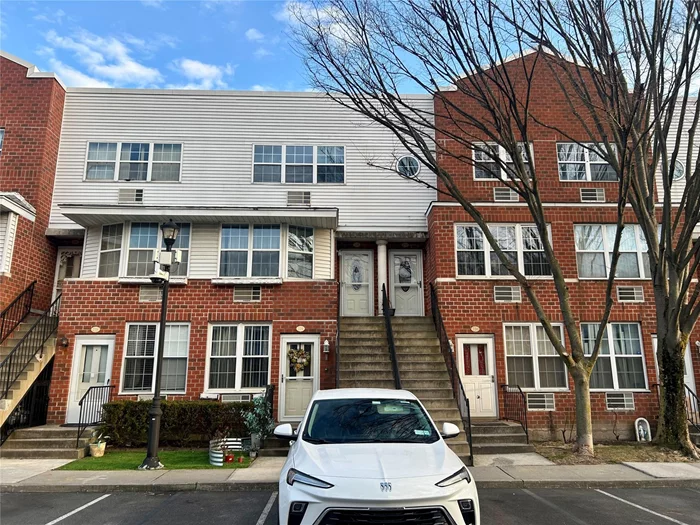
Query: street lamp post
[[162, 275]]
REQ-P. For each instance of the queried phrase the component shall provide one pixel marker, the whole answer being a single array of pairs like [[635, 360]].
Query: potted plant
[[97, 449], [218, 448], [259, 422]]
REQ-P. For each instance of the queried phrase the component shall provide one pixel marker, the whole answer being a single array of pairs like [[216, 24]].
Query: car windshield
[[368, 421]]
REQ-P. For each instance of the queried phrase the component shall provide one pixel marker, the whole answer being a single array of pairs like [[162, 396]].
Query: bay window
[[250, 251], [594, 250], [623, 368], [143, 241], [300, 252], [110, 250], [238, 357], [531, 360]]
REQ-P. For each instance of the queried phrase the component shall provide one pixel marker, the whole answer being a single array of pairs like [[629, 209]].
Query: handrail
[[91, 407], [16, 312], [337, 342], [453, 371], [692, 408], [515, 406], [24, 351], [386, 310]]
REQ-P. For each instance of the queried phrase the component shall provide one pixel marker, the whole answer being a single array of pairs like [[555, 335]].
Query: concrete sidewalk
[[263, 474]]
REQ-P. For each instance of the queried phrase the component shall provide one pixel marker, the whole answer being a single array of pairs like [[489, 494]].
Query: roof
[[32, 70], [14, 202], [364, 393]]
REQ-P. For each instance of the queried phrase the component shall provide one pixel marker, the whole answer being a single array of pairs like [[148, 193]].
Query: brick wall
[[109, 306], [31, 113]]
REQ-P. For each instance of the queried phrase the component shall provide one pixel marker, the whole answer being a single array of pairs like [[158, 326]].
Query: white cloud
[[201, 75], [73, 77], [254, 35], [55, 17], [152, 3], [261, 52], [260, 87]]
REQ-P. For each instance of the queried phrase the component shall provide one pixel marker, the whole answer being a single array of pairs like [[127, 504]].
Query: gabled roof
[[14, 202], [32, 70]]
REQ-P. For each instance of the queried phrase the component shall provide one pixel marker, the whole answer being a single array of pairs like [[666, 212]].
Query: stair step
[[49, 432], [429, 375], [496, 429], [366, 383], [413, 384], [350, 375], [359, 357], [417, 341], [411, 320], [46, 443], [416, 356], [363, 334], [365, 366], [352, 343], [500, 448], [431, 393], [406, 366], [461, 449], [42, 453], [492, 439], [437, 404]]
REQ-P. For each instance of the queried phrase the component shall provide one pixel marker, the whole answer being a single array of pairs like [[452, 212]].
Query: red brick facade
[[31, 113]]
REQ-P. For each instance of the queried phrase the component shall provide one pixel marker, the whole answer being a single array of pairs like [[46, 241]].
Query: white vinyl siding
[[218, 131], [323, 254], [678, 186], [8, 233], [91, 252]]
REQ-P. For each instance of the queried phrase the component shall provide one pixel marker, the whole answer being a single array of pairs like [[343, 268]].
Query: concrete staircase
[[48, 441], [364, 354], [499, 437]]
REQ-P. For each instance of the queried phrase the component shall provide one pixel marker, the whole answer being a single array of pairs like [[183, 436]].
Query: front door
[[299, 375], [406, 282], [357, 283], [92, 366], [476, 364], [67, 267]]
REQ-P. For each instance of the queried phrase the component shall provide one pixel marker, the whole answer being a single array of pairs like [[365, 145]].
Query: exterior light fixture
[[170, 231]]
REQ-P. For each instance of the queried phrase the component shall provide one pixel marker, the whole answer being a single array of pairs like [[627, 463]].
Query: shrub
[[184, 423]]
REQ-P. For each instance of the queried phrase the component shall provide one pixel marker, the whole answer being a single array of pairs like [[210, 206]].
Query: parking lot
[[499, 507]]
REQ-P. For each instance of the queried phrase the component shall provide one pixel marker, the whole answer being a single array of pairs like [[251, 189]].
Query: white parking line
[[668, 518], [555, 507], [267, 509], [75, 511]]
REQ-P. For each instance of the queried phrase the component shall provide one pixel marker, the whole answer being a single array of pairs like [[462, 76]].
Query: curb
[[272, 486]]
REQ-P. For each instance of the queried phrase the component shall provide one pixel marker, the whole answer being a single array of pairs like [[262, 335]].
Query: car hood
[[376, 460]]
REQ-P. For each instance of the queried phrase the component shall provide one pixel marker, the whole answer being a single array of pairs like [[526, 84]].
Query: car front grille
[[408, 516]]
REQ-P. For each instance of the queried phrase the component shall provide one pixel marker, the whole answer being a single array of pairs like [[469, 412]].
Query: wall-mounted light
[[326, 348], [64, 342]]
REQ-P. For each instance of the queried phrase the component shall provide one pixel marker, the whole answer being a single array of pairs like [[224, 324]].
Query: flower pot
[[97, 450], [253, 454], [216, 453]]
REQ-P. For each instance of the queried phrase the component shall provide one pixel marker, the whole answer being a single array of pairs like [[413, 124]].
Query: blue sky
[[208, 44]]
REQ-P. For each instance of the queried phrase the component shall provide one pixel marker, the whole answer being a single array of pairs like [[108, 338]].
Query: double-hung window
[[485, 164], [2, 138], [143, 241], [300, 252], [623, 369], [298, 164], [594, 250], [267, 164], [331, 164], [182, 243], [239, 357], [250, 251], [531, 360], [139, 357], [577, 162], [110, 250], [133, 161], [521, 244]]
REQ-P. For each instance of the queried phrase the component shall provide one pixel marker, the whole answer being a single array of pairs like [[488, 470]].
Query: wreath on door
[[299, 358]]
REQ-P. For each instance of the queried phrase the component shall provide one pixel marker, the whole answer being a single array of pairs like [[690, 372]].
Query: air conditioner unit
[[592, 195], [619, 401], [298, 198], [149, 397], [150, 294], [630, 294], [507, 294], [235, 398], [130, 196], [501, 194], [540, 401], [247, 294]]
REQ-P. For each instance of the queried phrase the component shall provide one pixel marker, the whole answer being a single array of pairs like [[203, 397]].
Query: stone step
[[446, 414], [362, 334], [42, 453], [431, 393], [500, 448], [437, 404], [44, 443], [406, 366], [352, 343], [461, 449], [492, 439], [359, 357], [361, 320], [349, 375], [401, 320], [413, 384], [419, 340], [417, 356], [431, 375], [423, 349], [496, 429], [49, 432], [365, 366], [366, 383]]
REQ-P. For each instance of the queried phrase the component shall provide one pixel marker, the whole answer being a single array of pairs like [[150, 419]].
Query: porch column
[[381, 273]]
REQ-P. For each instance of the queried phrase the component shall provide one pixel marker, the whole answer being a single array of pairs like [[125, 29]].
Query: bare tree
[[365, 53]]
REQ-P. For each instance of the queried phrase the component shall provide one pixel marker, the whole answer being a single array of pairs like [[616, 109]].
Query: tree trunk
[[584, 423], [673, 420]]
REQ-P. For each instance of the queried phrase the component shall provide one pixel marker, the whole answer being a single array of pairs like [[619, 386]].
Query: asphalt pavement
[[499, 507]]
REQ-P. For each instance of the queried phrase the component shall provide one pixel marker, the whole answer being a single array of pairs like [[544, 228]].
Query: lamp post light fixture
[[164, 260]]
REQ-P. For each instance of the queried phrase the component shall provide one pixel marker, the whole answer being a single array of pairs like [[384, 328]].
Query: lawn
[[120, 459], [611, 452]]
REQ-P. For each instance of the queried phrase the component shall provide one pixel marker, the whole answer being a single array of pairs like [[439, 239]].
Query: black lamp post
[[152, 461]]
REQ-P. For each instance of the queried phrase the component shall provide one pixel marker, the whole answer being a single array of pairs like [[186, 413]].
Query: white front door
[[475, 358], [67, 267], [357, 282], [92, 366], [299, 377], [406, 282]]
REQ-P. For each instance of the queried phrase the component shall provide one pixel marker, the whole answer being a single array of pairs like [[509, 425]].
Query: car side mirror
[[286, 431], [449, 430]]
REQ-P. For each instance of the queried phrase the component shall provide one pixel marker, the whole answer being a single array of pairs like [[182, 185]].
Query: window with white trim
[[531, 360], [298, 164], [594, 249], [520, 243], [133, 161], [2, 138], [140, 362], [239, 357], [331, 164], [577, 162], [300, 252], [143, 241], [485, 165], [250, 251], [110, 250], [182, 243], [623, 369]]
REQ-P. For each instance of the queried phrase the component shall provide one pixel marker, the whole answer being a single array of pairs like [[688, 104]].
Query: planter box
[[217, 446]]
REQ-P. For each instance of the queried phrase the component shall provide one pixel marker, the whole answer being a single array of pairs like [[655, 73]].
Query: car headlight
[[458, 476], [294, 476]]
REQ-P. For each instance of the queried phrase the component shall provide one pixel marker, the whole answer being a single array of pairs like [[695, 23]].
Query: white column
[[381, 272]]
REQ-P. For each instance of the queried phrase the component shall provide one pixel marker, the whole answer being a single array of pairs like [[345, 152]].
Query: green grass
[[171, 459]]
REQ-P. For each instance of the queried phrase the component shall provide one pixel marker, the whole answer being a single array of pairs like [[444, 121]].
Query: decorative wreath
[[299, 358]]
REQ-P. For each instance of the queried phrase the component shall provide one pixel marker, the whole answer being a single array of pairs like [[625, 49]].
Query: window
[[485, 166], [299, 166], [237, 259], [624, 368], [520, 243], [139, 358], [577, 162], [110, 250], [300, 252], [143, 241], [239, 357], [137, 161], [182, 243], [408, 166], [531, 359], [677, 173], [594, 251], [2, 138]]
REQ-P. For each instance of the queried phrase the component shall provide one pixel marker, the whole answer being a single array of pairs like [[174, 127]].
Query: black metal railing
[[16, 312], [386, 310], [92, 407], [337, 342], [26, 348], [692, 408], [515, 406], [452, 370]]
